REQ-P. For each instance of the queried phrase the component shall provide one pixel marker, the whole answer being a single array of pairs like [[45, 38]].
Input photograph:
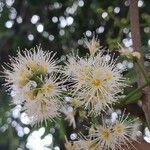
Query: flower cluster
[[32, 76], [93, 84], [109, 135], [114, 135], [96, 81], [129, 53]]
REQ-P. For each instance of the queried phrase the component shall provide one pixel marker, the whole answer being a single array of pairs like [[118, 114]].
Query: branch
[[136, 38]]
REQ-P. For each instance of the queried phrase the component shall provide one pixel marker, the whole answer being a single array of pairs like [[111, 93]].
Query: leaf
[[131, 98]]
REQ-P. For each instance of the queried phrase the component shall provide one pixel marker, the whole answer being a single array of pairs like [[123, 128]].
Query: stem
[[136, 37], [142, 70], [37, 80]]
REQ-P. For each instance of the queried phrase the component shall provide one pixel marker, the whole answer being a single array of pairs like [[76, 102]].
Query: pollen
[[38, 68], [106, 133], [48, 88], [31, 94], [22, 82], [96, 82], [24, 73], [24, 76], [42, 69], [75, 102], [119, 129], [82, 113], [32, 65]]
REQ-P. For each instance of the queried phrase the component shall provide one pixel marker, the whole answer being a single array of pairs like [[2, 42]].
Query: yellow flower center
[[48, 88], [24, 73], [31, 94], [82, 113], [42, 69], [96, 82], [75, 102], [119, 129], [22, 82], [33, 65], [39, 68], [23, 76], [106, 133]]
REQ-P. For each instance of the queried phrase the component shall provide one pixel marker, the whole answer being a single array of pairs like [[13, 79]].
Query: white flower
[[129, 53], [42, 102], [102, 136], [51, 86], [24, 67], [33, 77], [125, 129], [93, 45], [125, 52], [42, 109], [113, 135], [95, 80], [70, 116]]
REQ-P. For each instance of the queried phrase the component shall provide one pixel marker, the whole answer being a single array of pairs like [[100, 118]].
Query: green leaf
[[133, 97]]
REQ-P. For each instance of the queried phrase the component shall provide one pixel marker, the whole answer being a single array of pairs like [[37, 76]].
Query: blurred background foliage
[[59, 25]]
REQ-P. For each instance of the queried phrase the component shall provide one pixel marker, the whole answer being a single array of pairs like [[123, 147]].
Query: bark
[[135, 34], [136, 38], [140, 145]]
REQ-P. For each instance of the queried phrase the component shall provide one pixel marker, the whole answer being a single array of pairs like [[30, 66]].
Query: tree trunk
[[136, 38]]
